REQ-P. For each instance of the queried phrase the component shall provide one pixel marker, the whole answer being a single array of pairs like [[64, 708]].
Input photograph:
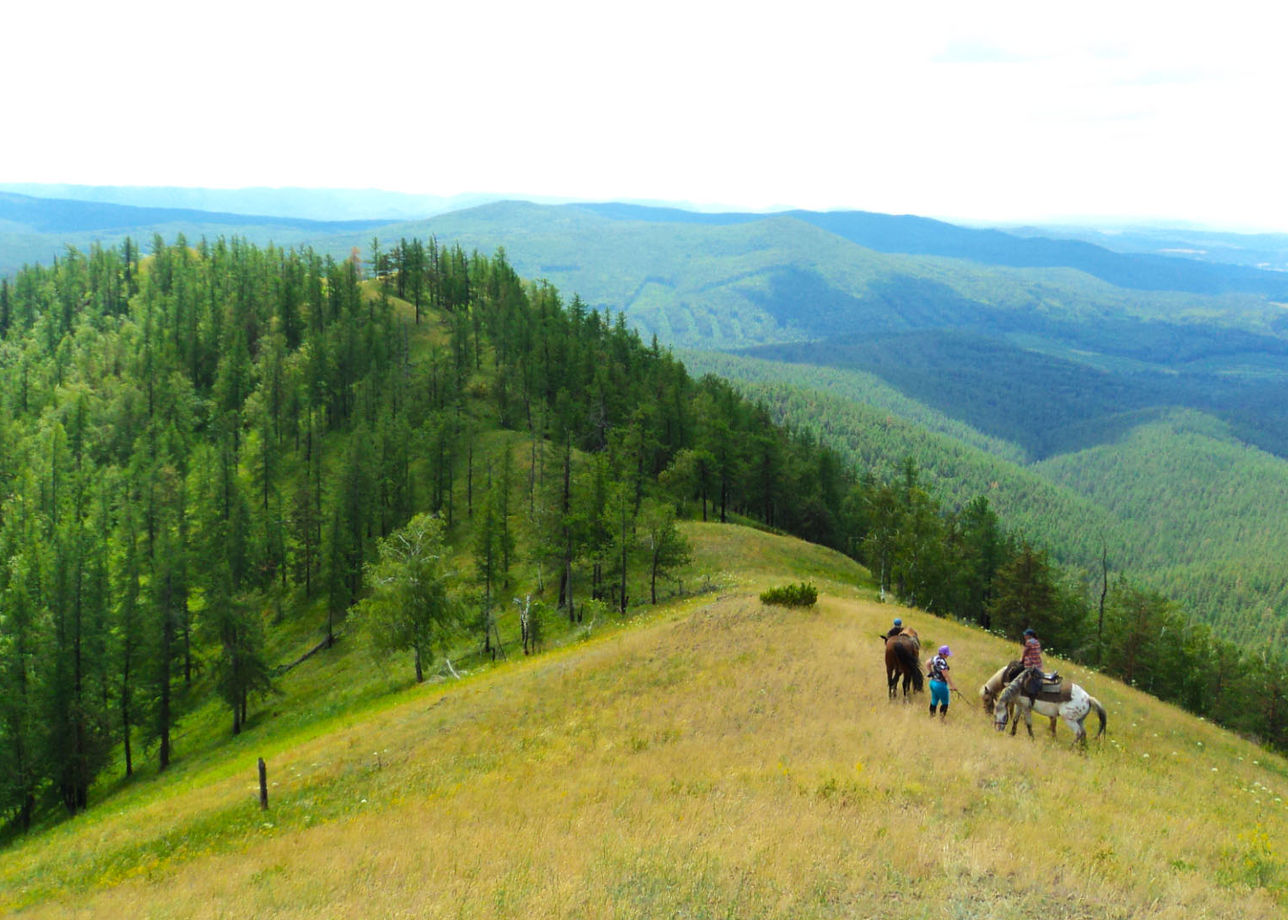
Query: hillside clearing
[[721, 758]]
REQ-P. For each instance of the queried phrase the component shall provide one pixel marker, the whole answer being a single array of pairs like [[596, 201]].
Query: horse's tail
[[910, 662], [1100, 711]]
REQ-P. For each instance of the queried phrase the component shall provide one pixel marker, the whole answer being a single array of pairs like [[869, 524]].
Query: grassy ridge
[[718, 758]]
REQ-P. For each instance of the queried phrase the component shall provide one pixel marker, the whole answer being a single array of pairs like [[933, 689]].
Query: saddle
[[1054, 689]]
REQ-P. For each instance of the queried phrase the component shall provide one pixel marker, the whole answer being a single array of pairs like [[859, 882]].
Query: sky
[[990, 112]]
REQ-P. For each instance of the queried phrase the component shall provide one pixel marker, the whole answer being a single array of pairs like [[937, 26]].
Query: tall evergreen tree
[[409, 606]]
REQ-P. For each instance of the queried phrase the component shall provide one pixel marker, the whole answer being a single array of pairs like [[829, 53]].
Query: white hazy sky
[[964, 110]]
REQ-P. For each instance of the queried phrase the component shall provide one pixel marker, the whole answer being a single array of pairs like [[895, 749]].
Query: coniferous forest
[[202, 442]]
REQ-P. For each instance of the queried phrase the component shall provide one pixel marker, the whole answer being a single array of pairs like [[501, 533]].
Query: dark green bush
[[801, 595]]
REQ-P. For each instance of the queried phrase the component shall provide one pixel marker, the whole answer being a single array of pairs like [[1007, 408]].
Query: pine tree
[[1024, 593]]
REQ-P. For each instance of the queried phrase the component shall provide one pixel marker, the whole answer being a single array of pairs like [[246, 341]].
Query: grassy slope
[[713, 758]]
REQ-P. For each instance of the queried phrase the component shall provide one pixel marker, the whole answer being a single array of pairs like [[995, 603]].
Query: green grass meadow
[[713, 757]]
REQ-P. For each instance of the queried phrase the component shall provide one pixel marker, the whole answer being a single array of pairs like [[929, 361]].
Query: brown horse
[[903, 659]]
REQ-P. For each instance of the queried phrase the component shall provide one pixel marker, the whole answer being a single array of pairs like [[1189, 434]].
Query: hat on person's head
[[1029, 632]]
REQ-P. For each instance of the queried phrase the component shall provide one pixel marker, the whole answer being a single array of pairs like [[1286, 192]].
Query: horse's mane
[[1013, 687], [993, 686], [994, 683]]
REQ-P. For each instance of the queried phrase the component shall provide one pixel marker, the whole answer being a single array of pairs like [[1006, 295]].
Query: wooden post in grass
[[263, 785]]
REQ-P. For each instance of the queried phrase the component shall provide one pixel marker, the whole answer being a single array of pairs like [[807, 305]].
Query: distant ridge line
[[912, 235]]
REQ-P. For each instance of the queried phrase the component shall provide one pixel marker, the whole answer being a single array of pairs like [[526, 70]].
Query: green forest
[[204, 444], [1169, 496], [1044, 368]]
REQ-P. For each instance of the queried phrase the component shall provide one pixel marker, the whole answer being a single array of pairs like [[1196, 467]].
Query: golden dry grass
[[720, 759]]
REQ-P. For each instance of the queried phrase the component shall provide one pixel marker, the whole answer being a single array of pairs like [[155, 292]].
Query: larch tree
[[667, 548], [409, 606]]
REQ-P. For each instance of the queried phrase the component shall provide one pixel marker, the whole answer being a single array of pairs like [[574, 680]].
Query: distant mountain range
[[61, 215], [922, 236], [1255, 250], [324, 205]]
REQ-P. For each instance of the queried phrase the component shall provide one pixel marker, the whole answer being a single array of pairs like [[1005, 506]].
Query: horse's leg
[[1053, 721], [1075, 723], [1028, 718], [1079, 733], [1013, 713]]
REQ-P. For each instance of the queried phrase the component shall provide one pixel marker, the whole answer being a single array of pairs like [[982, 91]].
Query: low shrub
[[801, 595]]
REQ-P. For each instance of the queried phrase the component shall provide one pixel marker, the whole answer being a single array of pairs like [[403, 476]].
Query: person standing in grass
[[940, 681]]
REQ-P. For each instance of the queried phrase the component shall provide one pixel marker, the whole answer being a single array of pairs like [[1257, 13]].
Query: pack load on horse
[[1070, 703], [903, 659]]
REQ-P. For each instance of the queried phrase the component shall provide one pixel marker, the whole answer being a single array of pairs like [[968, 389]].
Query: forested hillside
[[206, 443], [1053, 334], [1031, 363], [956, 464], [1203, 513], [1036, 363], [1141, 266], [1171, 499], [211, 445]]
